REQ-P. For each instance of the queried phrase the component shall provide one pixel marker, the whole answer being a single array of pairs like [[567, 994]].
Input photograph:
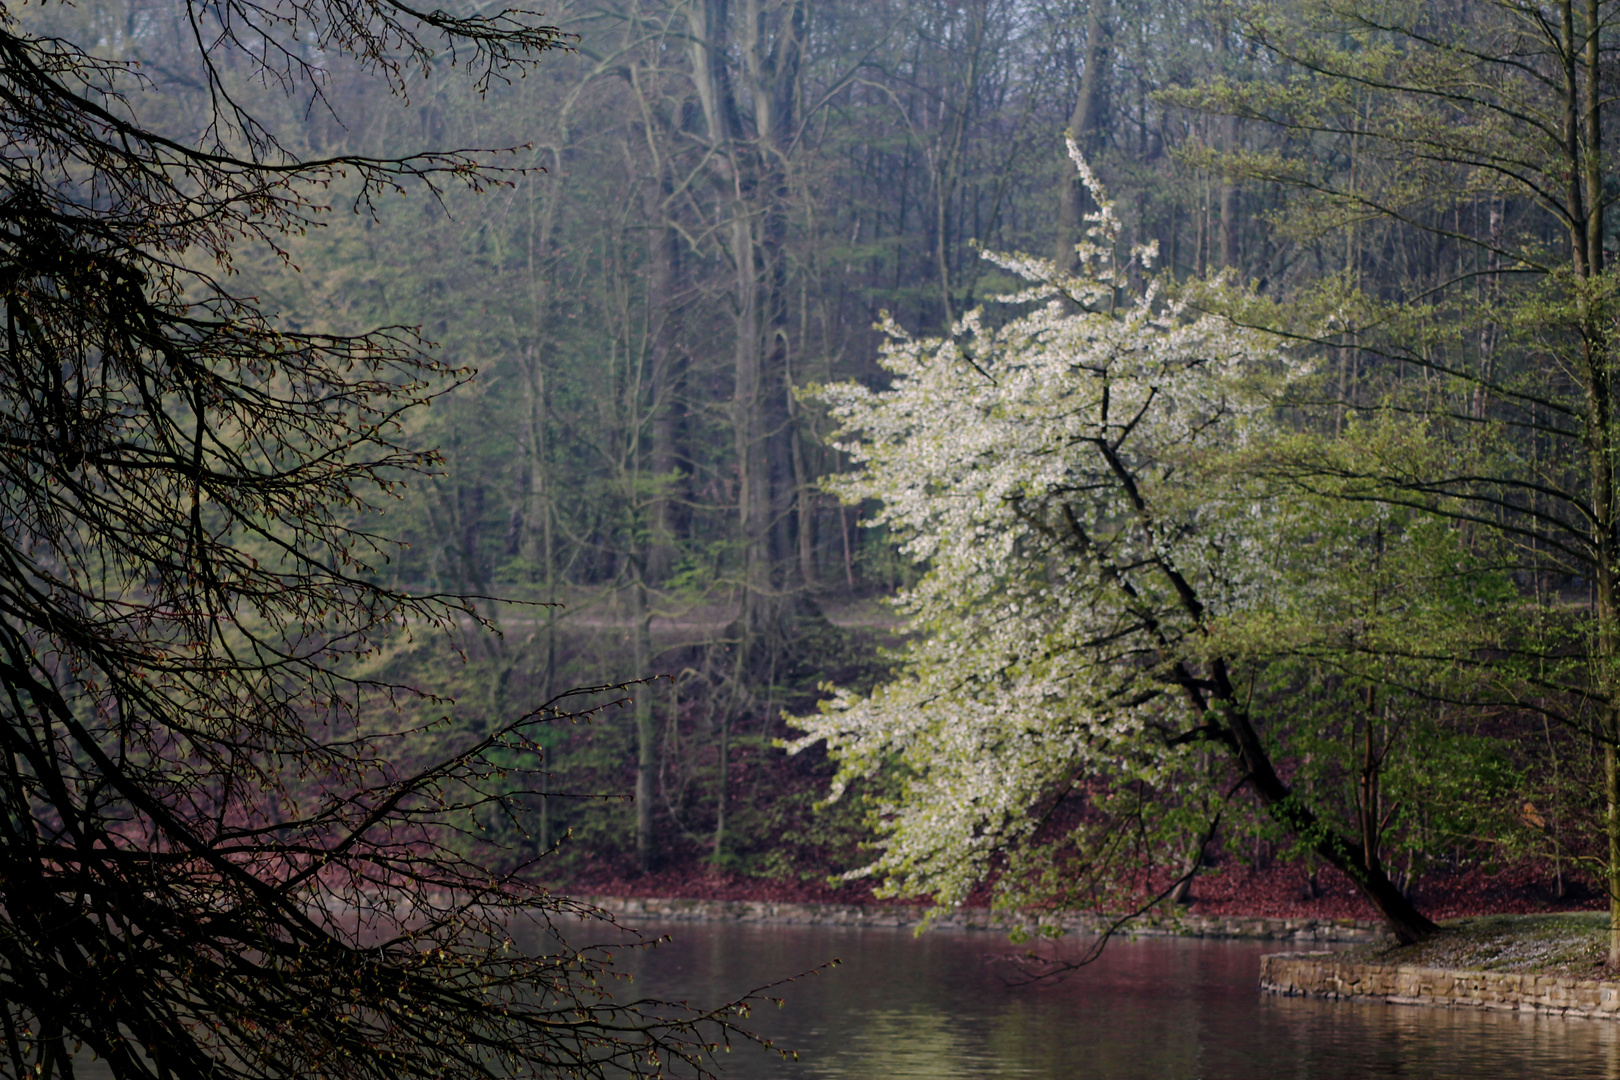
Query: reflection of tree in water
[[900, 1007]]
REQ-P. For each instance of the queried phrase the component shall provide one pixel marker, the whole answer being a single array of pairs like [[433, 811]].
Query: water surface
[[937, 1007]]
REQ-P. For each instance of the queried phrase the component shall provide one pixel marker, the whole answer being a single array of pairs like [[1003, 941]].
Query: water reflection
[[932, 1008]]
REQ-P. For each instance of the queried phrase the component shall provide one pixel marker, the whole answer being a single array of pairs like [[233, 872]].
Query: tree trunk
[[752, 167], [663, 346], [948, 166], [1182, 893], [1214, 699], [1229, 190], [1229, 205], [1583, 130], [802, 481], [723, 795], [1350, 857], [772, 66], [748, 433], [646, 730], [1085, 128]]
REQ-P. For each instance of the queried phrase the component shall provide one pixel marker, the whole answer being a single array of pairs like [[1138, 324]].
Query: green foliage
[[1131, 557], [601, 447]]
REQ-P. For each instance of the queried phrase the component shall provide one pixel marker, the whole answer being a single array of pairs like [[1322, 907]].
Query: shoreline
[[1281, 891], [895, 916], [1552, 964], [1318, 973], [1325, 975]]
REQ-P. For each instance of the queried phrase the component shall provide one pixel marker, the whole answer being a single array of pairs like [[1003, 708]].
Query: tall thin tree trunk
[[948, 169], [1085, 128], [803, 503], [646, 729], [723, 795], [1582, 136], [1229, 192], [752, 165], [748, 431], [1230, 225], [663, 377]]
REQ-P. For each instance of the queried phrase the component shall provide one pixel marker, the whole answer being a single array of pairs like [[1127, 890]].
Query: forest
[[1035, 453], [735, 196]]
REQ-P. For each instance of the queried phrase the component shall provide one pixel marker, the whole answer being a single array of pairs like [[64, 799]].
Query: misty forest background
[[686, 236]]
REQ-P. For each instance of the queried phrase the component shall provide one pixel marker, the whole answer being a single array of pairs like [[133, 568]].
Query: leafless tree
[[213, 860]]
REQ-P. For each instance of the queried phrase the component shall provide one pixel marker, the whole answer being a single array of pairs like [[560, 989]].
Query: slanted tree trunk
[[1223, 719], [1349, 856], [1182, 893]]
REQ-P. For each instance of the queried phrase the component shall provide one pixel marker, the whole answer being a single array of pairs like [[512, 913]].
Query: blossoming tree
[[1065, 479]]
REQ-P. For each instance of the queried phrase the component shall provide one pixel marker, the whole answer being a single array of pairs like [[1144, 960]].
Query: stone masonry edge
[[1320, 974]]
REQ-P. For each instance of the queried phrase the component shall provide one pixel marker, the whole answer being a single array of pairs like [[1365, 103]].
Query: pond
[[937, 1007]]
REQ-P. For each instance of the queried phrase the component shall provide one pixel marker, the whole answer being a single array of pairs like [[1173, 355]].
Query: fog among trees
[[683, 280], [713, 206]]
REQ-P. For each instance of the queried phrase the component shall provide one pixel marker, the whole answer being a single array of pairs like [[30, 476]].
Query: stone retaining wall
[[1183, 925], [1319, 974]]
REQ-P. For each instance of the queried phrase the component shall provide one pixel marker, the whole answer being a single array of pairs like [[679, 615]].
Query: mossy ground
[[1573, 944]]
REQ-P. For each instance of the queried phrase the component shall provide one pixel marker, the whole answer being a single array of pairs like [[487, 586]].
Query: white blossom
[[998, 457]]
